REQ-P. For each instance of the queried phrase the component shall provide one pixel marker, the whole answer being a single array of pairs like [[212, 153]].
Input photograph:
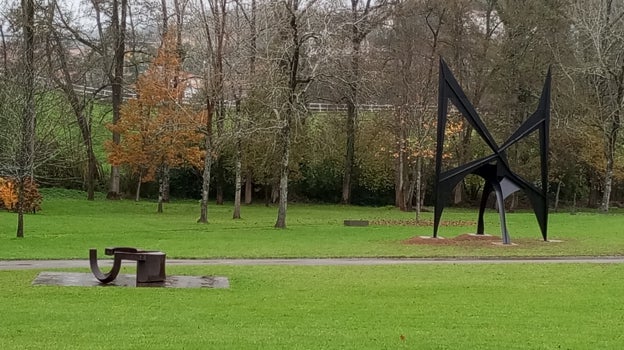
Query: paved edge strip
[[79, 263]]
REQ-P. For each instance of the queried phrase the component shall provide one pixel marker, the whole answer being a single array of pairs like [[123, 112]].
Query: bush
[[9, 197]]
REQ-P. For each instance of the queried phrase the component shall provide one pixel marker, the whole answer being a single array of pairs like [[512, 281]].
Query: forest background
[[303, 100]]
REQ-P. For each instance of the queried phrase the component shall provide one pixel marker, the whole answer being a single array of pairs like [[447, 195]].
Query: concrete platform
[[357, 223], [78, 279]]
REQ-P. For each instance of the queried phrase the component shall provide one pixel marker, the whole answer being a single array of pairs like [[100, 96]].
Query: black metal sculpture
[[493, 168], [150, 264]]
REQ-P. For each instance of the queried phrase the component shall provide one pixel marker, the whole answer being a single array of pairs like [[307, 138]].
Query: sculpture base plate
[[501, 244], [360, 223], [78, 279]]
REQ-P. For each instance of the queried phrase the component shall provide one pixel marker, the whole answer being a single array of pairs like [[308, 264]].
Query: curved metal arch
[[95, 269]]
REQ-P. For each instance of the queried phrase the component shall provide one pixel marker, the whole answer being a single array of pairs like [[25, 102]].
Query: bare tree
[[116, 77], [65, 78], [213, 19], [245, 18], [599, 26], [25, 160], [110, 45], [364, 17], [18, 115], [292, 14]]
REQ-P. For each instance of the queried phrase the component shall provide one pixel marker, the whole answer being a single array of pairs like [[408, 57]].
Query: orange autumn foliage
[[9, 197], [424, 147], [157, 128]]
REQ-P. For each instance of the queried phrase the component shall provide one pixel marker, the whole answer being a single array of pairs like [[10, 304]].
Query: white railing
[[334, 107], [312, 107]]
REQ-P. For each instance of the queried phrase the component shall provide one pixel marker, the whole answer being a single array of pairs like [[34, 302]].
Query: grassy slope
[[554, 306], [69, 226]]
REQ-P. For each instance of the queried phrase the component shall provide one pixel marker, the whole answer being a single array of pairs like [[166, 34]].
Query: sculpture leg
[[486, 193], [103, 277], [501, 212]]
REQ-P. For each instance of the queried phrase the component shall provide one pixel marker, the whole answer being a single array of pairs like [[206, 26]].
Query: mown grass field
[[69, 225], [525, 306], [520, 306]]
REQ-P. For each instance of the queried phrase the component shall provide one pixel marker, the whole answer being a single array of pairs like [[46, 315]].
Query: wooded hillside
[[278, 100]]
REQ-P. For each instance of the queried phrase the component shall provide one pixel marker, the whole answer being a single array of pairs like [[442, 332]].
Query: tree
[[158, 131], [109, 43], [26, 153], [364, 17], [292, 15], [65, 78], [599, 26], [31, 198], [246, 44], [413, 63], [214, 38]]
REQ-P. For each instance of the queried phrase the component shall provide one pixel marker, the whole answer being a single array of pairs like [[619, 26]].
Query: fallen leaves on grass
[[412, 222]]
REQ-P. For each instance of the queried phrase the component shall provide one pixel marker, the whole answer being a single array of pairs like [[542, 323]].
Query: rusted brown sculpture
[[150, 264]]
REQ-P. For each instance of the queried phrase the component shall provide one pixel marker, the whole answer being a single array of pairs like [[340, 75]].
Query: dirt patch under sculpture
[[467, 239], [472, 240]]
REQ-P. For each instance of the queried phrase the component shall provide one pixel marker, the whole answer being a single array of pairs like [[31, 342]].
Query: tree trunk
[[248, 188], [352, 112], [556, 208], [457, 193], [253, 43], [161, 187], [411, 188], [610, 157], [592, 198], [214, 89], [27, 149], [203, 213], [84, 125], [5, 61], [418, 187], [137, 195], [608, 183], [91, 171], [20, 209], [78, 105], [220, 178], [612, 139], [165, 16], [275, 192], [350, 155], [291, 109], [166, 181], [402, 160], [238, 166], [283, 184], [513, 203], [119, 31], [397, 185], [237, 192]]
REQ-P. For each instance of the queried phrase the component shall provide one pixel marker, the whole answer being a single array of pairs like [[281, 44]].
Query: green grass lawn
[[69, 225], [527, 306], [523, 306]]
